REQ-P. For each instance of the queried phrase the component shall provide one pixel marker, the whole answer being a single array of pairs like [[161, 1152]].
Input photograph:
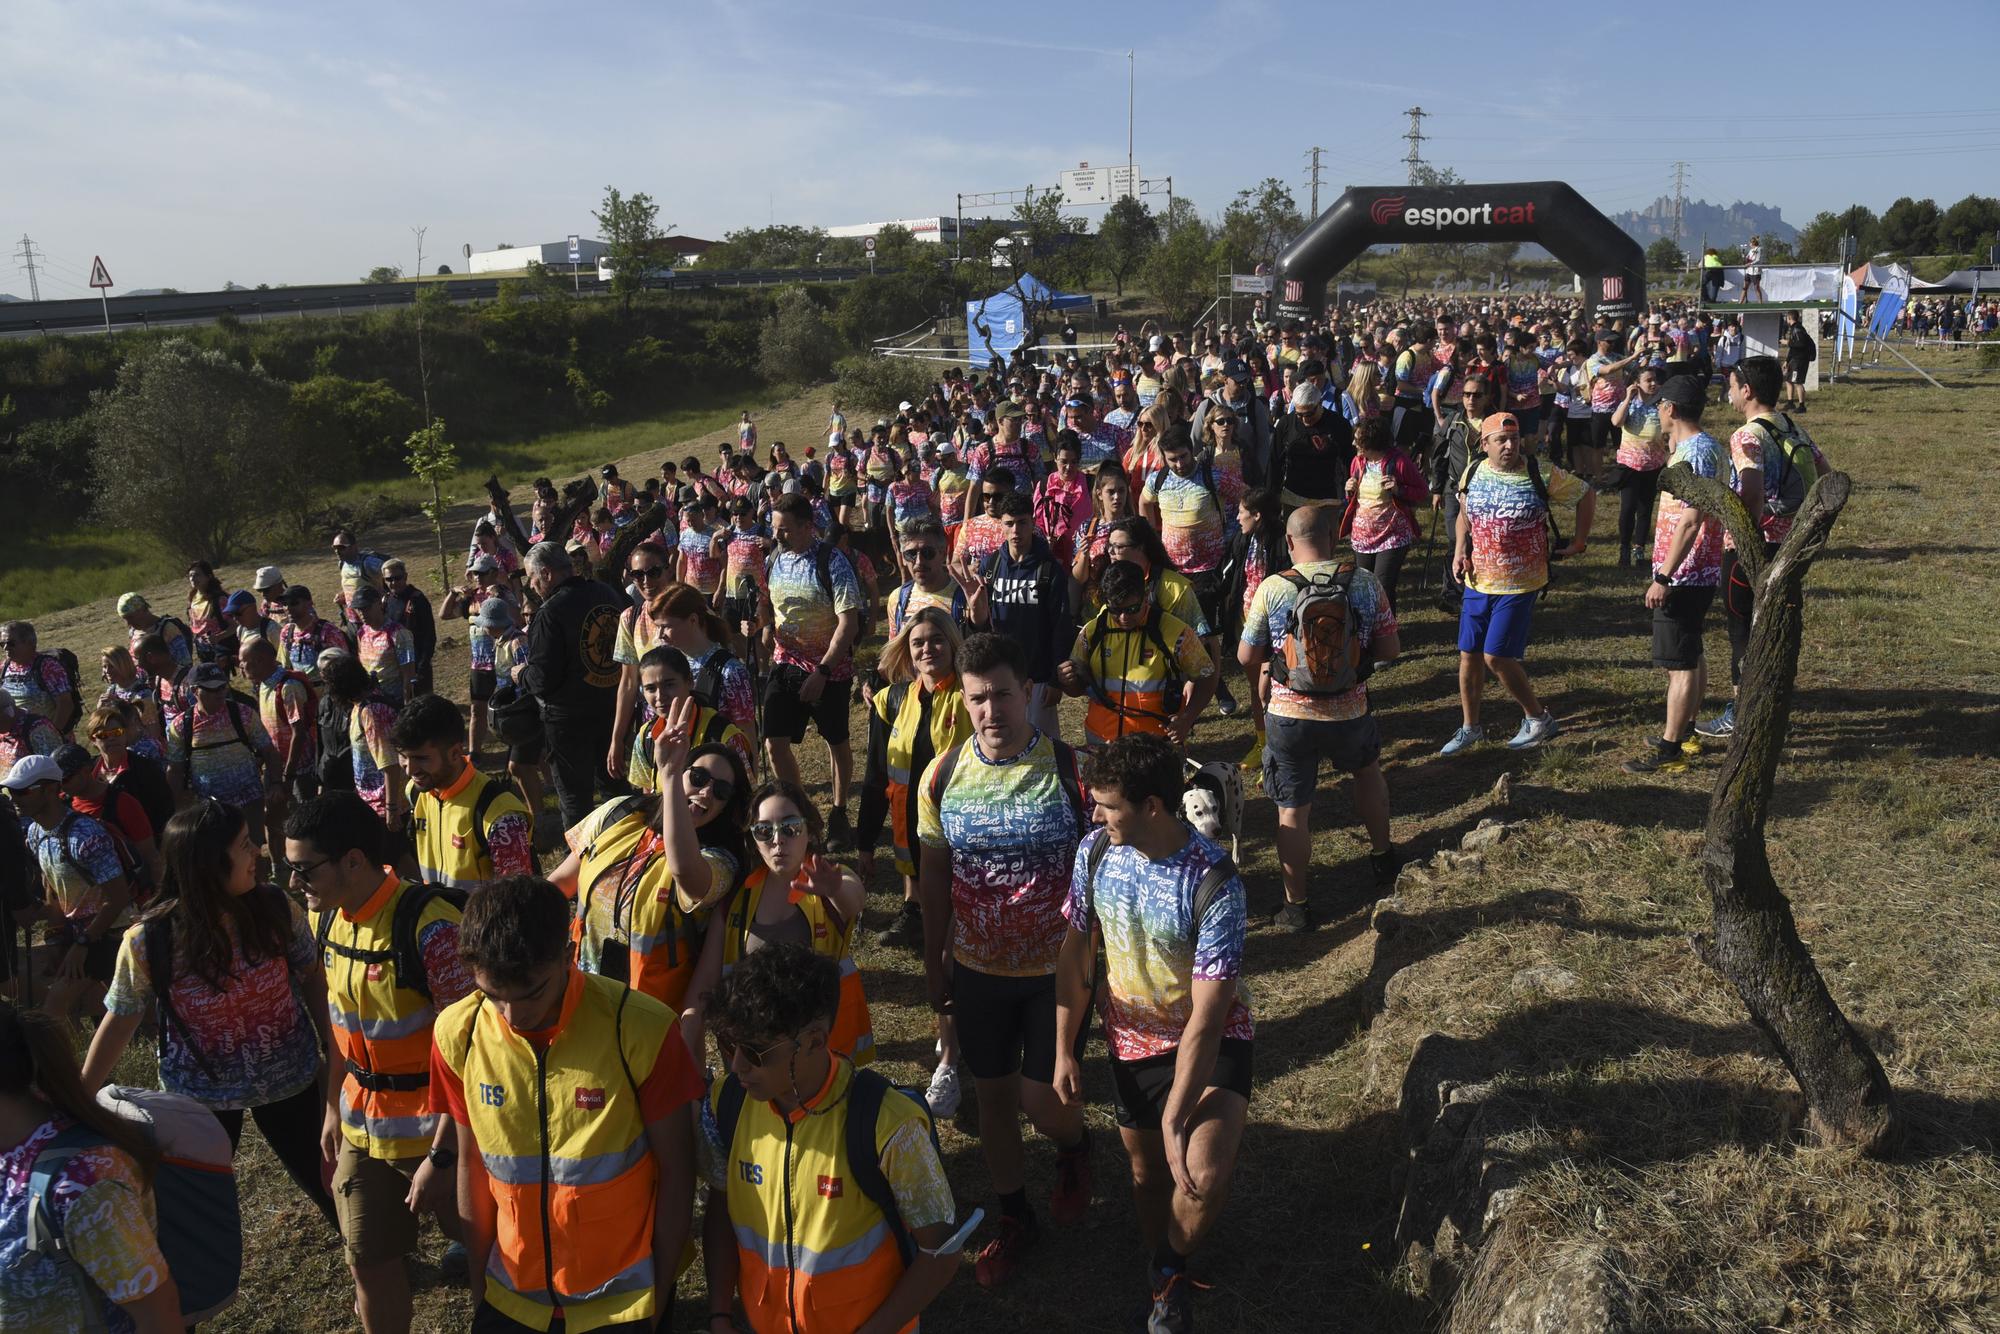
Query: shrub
[[878, 384], [797, 344], [349, 427]]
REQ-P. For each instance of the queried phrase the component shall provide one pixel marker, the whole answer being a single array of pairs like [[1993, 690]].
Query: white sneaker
[[944, 1092]]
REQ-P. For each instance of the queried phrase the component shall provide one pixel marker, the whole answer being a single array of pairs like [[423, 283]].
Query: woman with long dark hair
[[206, 597], [110, 1274], [645, 870], [241, 1008]]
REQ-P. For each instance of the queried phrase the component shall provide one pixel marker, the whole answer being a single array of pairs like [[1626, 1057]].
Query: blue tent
[[995, 326]]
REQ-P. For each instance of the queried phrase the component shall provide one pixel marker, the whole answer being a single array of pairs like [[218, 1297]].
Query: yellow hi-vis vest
[[451, 825], [563, 1140], [907, 707]]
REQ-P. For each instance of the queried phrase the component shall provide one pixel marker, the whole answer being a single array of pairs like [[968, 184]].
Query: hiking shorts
[[1007, 1025], [1294, 747], [482, 684], [786, 715], [1677, 626], [368, 1195], [1141, 1087], [1496, 623], [1795, 371]]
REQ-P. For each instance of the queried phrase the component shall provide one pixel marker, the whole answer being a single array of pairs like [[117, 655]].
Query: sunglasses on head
[[770, 831]]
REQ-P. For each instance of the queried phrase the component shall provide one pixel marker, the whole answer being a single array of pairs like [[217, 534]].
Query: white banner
[[1790, 282], [1251, 284]]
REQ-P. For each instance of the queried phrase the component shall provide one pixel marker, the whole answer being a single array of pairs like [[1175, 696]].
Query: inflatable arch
[[1549, 213]]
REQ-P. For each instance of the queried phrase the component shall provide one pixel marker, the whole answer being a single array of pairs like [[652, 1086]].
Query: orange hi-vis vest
[[563, 1140], [815, 1254], [853, 1034], [381, 1023]]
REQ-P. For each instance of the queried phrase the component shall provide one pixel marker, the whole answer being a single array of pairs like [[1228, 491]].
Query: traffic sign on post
[[575, 248], [100, 278], [575, 255], [869, 246]]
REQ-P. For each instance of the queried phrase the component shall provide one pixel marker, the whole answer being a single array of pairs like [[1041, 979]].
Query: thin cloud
[[936, 32]]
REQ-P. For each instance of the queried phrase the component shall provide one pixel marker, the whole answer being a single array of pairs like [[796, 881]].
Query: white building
[[939, 230], [554, 254]]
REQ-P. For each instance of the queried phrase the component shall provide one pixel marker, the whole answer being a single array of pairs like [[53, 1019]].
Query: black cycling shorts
[[1007, 1025], [1141, 1087]]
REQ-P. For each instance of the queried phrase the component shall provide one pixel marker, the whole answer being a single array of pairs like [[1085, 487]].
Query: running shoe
[[1385, 866], [1294, 917], [1534, 731], [839, 836], [1464, 739], [1721, 727], [1225, 702], [944, 1093], [1661, 757], [907, 931], [453, 1263], [1000, 1257], [1173, 1304], [1070, 1199]]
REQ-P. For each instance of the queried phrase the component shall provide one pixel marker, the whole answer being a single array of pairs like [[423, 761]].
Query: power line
[[1680, 206], [26, 254], [1414, 159]]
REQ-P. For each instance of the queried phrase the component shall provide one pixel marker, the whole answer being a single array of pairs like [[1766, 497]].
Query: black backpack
[[1205, 890], [67, 661], [145, 781], [866, 1093], [233, 705], [1072, 790], [129, 864], [496, 785], [405, 952], [336, 748], [708, 681]]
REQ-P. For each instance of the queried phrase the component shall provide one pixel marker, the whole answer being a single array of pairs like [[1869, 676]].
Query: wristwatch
[[443, 1157], [1664, 581]]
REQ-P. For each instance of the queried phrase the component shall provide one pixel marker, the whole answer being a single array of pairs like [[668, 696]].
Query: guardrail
[[136, 312]]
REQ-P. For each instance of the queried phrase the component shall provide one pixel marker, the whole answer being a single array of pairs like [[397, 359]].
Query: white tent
[[1875, 275]]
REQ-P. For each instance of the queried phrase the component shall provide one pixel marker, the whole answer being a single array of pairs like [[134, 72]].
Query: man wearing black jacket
[[1021, 592], [1310, 451], [569, 668]]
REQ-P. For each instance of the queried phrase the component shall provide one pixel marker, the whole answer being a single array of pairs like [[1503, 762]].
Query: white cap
[[268, 576], [30, 770], [903, 406]]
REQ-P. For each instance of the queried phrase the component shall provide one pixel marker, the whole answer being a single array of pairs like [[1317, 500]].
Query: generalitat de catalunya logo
[[1394, 208]]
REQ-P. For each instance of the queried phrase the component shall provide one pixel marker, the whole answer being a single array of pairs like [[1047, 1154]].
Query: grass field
[[1668, 1129]]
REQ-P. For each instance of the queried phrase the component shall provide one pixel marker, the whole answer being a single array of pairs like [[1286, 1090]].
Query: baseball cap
[[30, 770], [1500, 423], [946, 447], [1237, 370], [241, 600], [268, 576], [903, 406], [1155, 343], [296, 594], [365, 596], [211, 676], [327, 656], [494, 614], [131, 602], [1012, 409], [1684, 392], [607, 471], [485, 565], [72, 759]]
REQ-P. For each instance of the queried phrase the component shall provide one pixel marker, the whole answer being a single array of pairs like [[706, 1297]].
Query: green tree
[[1968, 226], [1178, 271], [1125, 237], [1047, 243], [1819, 240], [632, 236], [1663, 256], [184, 436], [898, 248], [1910, 226], [1430, 177], [432, 459], [1257, 225], [782, 246], [798, 343], [381, 273]]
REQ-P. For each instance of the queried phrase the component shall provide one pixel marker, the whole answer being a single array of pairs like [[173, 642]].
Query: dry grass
[[1675, 1122]]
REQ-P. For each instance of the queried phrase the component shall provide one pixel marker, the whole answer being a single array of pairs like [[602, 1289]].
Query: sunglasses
[[920, 553], [1129, 609], [294, 871], [767, 831], [648, 571], [701, 780], [759, 1056], [990, 496]]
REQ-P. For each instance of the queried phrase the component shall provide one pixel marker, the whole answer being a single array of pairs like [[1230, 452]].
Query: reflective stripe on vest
[[449, 851], [621, 903], [816, 1255], [380, 1027], [580, 1236]]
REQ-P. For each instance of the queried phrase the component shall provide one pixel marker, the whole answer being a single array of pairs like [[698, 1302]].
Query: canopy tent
[[1878, 276], [1986, 279], [997, 325]]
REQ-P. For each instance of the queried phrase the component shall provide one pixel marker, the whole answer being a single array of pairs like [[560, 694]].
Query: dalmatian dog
[[1213, 802]]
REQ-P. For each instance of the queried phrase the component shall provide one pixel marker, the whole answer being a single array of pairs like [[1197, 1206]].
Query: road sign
[[1252, 284], [1097, 185], [99, 275], [869, 245], [575, 248]]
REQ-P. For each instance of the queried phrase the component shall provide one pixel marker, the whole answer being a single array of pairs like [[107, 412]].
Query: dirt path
[[88, 628]]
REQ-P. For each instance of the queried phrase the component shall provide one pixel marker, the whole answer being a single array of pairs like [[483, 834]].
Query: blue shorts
[[1496, 623]]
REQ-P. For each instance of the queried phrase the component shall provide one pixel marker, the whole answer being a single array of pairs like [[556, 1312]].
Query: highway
[[28, 319]]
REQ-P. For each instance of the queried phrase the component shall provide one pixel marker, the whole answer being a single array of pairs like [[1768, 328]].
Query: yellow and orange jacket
[[853, 1033]]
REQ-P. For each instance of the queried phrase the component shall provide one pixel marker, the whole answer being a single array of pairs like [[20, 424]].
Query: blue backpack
[[194, 1194]]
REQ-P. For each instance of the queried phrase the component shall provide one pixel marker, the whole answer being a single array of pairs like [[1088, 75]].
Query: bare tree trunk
[[1756, 944]]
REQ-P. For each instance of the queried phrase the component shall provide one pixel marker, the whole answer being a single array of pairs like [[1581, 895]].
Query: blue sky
[[196, 141]]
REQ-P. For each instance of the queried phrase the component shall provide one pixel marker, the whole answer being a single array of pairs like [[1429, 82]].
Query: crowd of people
[[353, 912]]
